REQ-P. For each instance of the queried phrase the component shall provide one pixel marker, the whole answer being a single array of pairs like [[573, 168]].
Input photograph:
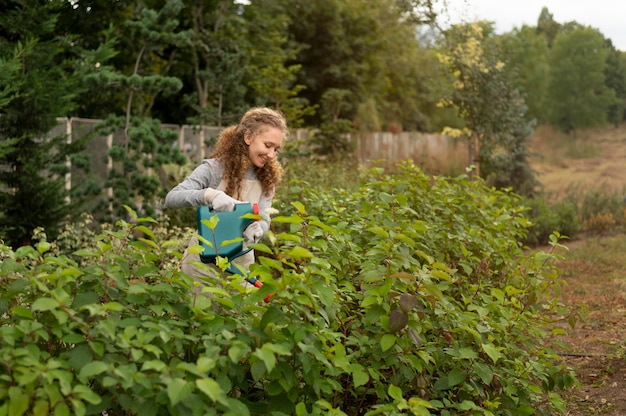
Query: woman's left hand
[[253, 233]]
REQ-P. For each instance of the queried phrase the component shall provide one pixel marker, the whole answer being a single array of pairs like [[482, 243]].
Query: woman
[[242, 168]]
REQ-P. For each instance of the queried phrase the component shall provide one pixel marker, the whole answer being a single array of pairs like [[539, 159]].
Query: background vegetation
[[394, 292], [335, 66]]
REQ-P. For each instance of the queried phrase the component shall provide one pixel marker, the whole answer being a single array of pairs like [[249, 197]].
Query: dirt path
[[594, 269], [596, 347]]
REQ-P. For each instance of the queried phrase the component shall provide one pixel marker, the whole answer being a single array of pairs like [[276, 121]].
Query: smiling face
[[264, 146]]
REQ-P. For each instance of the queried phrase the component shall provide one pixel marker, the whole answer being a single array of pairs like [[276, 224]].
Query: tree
[[272, 74], [217, 62], [10, 67], [367, 48], [96, 25], [578, 95], [32, 183], [331, 139], [493, 111], [143, 145], [526, 56], [547, 26], [615, 77]]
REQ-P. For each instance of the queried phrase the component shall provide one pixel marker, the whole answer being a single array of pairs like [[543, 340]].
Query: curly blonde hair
[[232, 150]]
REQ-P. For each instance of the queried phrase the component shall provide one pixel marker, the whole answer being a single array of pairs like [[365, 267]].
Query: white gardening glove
[[253, 233], [219, 200]]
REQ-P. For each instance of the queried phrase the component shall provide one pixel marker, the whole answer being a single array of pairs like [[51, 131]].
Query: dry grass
[[594, 159]]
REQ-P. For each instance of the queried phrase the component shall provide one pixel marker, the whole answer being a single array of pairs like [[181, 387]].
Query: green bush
[[406, 295], [547, 217], [601, 210], [595, 211]]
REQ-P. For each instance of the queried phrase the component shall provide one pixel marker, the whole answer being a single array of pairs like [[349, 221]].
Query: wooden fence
[[435, 153]]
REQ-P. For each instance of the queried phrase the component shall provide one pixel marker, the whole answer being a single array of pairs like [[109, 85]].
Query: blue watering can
[[223, 238], [226, 236]]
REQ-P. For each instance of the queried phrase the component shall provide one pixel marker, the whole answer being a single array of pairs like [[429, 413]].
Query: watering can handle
[[255, 207]]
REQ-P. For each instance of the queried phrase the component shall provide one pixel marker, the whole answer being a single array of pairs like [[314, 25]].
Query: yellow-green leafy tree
[[492, 110]]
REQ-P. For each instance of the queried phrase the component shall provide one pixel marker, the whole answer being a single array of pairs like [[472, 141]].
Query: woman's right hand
[[222, 202]]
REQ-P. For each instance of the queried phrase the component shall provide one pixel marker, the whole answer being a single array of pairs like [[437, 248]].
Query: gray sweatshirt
[[209, 174]]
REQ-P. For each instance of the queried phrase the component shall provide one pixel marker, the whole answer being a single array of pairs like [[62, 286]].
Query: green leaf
[[148, 242], [209, 387], [205, 364], [85, 253], [85, 298], [455, 377], [300, 253], [97, 347], [526, 410], [137, 289], [299, 206], [237, 352], [79, 356], [155, 365], [146, 231], [292, 219], [43, 246], [114, 306], [395, 392], [492, 351], [18, 401], [22, 312], [267, 357], [467, 353], [359, 376], [10, 266], [467, 405], [85, 393], [53, 393], [40, 408], [92, 369], [272, 315], [61, 409], [441, 275], [484, 372], [178, 390], [45, 304], [387, 341], [380, 231]]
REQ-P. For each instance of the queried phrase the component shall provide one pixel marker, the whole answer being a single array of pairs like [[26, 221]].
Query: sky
[[608, 16]]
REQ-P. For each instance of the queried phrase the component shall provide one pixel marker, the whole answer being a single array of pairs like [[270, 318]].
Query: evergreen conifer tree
[[39, 89]]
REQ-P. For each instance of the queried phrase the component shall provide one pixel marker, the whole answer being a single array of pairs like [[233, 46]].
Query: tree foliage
[[40, 82], [525, 54], [615, 79], [331, 66], [273, 74], [217, 63], [145, 144], [547, 26], [578, 93], [493, 111]]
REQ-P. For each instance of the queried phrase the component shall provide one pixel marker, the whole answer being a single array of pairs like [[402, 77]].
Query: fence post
[[109, 169], [68, 162]]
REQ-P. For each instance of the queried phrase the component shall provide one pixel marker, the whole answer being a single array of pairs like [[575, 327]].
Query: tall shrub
[[37, 88], [407, 294]]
